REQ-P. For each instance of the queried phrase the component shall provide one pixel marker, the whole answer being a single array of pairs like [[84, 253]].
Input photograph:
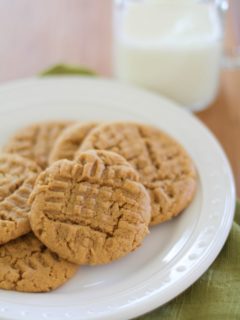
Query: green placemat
[[216, 295]]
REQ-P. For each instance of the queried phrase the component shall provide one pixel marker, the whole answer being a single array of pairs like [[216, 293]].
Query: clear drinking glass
[[174, 47]]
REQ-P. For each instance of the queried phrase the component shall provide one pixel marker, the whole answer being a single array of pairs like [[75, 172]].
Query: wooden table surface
[[37, 34]]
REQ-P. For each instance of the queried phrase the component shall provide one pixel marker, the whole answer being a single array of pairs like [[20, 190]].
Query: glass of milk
[[174, 47]]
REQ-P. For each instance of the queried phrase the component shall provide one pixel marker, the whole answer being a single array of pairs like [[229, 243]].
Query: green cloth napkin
[[63, 69], [216, 295]]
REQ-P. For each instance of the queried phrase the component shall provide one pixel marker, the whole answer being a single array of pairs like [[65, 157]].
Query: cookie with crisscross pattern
[[70, 140], [90, 211], [36, 141], [17, 178], [27, 265], [165, 168]]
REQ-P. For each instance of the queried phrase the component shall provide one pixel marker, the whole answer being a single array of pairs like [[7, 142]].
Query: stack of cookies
[[84, 193]]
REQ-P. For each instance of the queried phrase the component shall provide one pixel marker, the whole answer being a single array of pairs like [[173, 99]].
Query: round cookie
[[92, 211], [27, 265], [17, 178], [35, 142], [70, 140], [164, 166]]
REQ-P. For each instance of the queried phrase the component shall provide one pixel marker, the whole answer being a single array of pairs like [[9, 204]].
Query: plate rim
[[152, 302]]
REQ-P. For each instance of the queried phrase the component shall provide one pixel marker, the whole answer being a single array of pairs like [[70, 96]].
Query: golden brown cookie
[[27, 265], [17, 177], [164, 166], [70, 140], [35, 142], [92, 211]]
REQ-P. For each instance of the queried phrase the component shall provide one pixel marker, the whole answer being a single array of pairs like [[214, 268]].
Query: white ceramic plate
[[176, 253]]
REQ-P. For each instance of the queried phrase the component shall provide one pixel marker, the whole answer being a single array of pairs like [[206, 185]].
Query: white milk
[[173, 48]]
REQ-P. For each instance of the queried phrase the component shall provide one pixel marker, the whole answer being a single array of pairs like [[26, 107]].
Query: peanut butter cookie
[[92, 211], [164, 166], [70, 140], [35, 142], [27, 265], [17, 177]]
